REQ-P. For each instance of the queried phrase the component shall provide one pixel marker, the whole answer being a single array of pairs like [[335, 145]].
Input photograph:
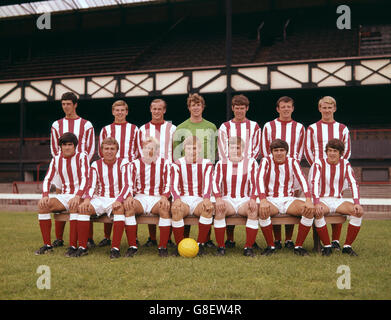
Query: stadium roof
[[39, 7]]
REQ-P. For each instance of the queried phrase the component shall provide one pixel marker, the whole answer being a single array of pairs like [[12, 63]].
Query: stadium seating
[[189, 43], [375, 40]]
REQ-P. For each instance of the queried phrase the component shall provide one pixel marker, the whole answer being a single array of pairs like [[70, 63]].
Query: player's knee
[[129, 213], [207, 213], [119, 210], [253, 215], [309, 215], [176, 214], [176, 210], [219, 215], [164, 214]]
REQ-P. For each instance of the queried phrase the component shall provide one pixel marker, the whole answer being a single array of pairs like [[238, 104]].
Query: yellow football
[[188, 248]]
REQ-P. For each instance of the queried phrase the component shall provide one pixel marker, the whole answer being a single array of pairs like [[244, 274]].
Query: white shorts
[[63, 198], [236, 202], [147, 202], [102, 205], [192, 202], [332, 203], [281, 203]]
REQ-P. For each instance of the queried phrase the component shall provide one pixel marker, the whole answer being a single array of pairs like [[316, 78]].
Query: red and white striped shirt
[[163, 132], [73, 173], [126, 135], [81, 128], [248, 130], [317, 136], [290, 131], [191, 179], [105, 180], [235, 179], [277, 180], [151, 179], [328, 180]]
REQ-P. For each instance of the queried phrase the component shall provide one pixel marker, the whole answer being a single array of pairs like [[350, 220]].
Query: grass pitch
[[283, 276]]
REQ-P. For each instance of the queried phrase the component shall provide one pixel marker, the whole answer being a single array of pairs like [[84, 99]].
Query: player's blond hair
[[109, 141], [192, 140], [236, 140], [327, 99], [119, 103], [195, 98], [155, 101], [150, 140]]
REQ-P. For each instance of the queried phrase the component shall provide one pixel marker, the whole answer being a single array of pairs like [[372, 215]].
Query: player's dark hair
[[69, 96], [68, 137], [240, 100], [285, 99], [279, 143], [336, 144]]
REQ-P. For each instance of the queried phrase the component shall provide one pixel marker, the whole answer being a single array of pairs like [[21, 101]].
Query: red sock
[[118, 230], [277, 232], [107, 230], [131, 234], [336, 231], [152, 231], [178, 234], [83, 230], [203, 232], [164, 236], [46, 228], [268, 234], [351, 234], [324, 235], [91, 232], [289, 231], [219, 233], [59, 229], [230, 229], [73, 233], [251, 235], [302, 234]]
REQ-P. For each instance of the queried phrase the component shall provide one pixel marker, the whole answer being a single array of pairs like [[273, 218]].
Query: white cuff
[[220, 223], [177, 224]]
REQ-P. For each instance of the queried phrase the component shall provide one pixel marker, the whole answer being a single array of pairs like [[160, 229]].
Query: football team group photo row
[[197, 169]]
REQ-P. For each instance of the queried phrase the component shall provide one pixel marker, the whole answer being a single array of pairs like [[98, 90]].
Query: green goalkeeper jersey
[[205, 130]]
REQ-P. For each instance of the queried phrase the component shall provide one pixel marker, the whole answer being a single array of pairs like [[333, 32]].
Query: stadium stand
[[190, 42], [375, 40]]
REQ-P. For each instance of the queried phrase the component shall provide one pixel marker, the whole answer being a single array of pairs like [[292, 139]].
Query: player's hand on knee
[[308, 208], [85, 207], [176, 205], [128, 203], [252, 205], [358, 210], [220, 205], [264, 209], [319, 213], [207, 205], [164, 204], [74, 204], [116, 205], [43, 203]]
